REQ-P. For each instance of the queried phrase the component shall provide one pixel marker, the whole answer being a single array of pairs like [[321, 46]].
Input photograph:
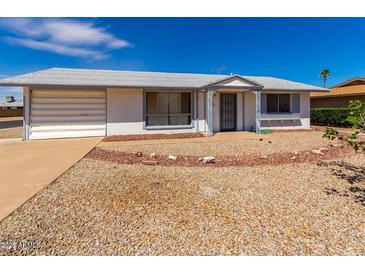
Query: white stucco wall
[[249, 111], [26, 116], [240, 112], [303, 121], [216, 111], [202, 126], [125, 114], [124, 111]]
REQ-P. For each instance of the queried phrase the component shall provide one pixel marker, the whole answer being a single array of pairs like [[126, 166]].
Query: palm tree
[[325, 74]]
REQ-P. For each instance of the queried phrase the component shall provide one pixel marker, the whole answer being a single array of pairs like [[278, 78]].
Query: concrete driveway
[[27, 167]]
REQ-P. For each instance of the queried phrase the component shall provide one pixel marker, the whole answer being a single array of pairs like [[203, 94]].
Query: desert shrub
[[330, 117]]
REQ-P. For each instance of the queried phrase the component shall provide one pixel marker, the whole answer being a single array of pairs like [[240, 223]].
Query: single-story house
[[340, 95], [61, 103], [11, 107]]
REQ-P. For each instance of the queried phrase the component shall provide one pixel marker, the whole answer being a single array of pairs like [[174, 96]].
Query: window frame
[[278, 103], [192, 112]]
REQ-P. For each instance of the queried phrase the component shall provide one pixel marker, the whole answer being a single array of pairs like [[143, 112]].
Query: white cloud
[[62, 36], [56, 48]]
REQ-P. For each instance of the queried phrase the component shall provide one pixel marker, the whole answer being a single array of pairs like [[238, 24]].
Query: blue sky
[[290, 48]]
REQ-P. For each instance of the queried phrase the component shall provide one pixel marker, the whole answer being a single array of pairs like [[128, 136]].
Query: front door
[[228, 111]]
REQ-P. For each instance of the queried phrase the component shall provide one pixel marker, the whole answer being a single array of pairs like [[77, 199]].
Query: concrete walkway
[[27, 167]]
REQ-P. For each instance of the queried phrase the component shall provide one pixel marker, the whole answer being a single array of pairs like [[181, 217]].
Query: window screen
[[278, 103], [168, 108]]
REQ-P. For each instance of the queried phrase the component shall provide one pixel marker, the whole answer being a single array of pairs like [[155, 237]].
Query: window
[[168, 108], [278, 103]]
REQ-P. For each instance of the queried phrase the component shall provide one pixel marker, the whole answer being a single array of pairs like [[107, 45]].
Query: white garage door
[[67, 113]]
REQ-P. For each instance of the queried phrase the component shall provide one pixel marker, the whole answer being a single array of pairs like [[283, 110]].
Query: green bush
[[330, 116]]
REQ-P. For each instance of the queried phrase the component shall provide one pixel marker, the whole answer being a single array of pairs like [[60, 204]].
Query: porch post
[[210, 93], [258, 111]]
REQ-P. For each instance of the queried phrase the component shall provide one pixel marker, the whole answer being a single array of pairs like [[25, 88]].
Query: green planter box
[[265, 131]]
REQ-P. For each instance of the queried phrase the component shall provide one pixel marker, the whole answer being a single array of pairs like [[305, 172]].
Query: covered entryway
[[228, 115], [67, 113]]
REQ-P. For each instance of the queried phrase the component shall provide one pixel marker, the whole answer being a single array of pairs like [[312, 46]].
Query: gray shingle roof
[[111, 78]]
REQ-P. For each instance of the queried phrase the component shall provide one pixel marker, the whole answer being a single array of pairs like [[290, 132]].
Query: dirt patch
[[136, 137], [222, 161]]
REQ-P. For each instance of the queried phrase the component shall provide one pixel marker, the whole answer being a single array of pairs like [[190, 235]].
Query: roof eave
[[37, 85], [255, 85], [348, 81], [296, 90]]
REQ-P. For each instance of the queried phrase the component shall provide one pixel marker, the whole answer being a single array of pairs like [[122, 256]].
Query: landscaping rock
[[317, 151], [207, 159], [208, 191], [172, 157]]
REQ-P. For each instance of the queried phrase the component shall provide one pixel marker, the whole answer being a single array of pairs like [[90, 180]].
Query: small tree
[[357, 119], [325, 74]]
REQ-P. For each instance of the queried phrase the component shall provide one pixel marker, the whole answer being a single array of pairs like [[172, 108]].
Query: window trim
[[278, 112], [169, 127]]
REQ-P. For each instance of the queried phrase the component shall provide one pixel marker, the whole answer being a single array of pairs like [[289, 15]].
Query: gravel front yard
[[276, 142], [103, 208]]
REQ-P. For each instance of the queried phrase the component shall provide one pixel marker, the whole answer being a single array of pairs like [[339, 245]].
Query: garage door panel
[[42, 128], [66, 134], [67, 113], [66, 106], [67, 119], [59, 125], [68, 93], [72, 101]]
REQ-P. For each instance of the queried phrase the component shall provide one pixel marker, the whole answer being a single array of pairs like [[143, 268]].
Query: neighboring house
[[10, 107], [340, 95], [77, 103]]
